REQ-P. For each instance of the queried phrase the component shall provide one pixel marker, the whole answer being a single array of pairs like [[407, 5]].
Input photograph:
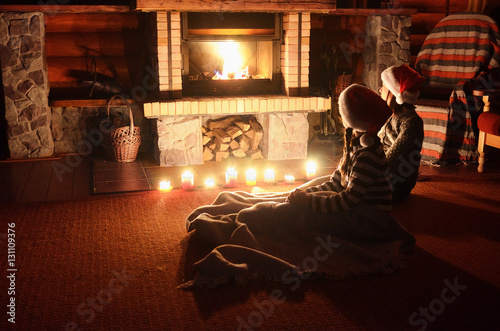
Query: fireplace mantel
[[311, 6], [242, 105]]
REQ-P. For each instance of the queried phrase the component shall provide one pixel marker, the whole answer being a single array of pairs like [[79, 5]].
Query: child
[[361, 178], [403, 133], [342, 227]]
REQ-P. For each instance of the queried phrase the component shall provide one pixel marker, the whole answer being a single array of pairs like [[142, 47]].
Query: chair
[[460, 55], [488, 124]]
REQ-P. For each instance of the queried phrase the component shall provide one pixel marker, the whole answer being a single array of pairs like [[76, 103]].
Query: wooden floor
[[74, 176], [77, 177]]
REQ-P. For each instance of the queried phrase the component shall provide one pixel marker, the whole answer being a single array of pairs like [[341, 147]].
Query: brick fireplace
[[179, 115]]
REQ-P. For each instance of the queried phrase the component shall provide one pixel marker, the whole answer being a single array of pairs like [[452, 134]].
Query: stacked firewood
[[232, 136]]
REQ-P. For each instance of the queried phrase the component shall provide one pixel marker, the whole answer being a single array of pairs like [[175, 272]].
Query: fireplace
[[194, 52], [231, 53]]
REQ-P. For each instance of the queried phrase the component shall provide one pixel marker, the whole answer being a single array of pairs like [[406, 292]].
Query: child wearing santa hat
[[403, 133], [361, 178]]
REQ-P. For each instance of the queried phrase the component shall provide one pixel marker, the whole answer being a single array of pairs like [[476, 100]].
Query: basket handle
[[129, 108]]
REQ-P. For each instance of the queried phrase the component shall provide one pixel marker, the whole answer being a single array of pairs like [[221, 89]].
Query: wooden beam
[[91, 22], [370, 12], [237, 5], [88, 103], [59, 9]]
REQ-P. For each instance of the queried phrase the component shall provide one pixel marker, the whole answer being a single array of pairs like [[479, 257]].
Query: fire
[[233, 67]]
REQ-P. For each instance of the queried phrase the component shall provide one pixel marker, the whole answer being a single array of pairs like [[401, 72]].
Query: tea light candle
[[187, 181], [310, 170], [269, 177], [251, 177], [165, 186], [209, 182], [289, 179], [231, 177]]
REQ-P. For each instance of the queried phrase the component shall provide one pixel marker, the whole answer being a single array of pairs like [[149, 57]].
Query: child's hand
[[299, 197]]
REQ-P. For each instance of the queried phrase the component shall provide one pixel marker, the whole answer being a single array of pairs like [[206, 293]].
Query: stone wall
[[178, 140], [387, 44], [73, 128], [285, 135], [25, 84]]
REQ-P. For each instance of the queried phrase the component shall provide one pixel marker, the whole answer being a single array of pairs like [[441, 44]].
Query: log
[[223, 123], [245, 143], [234, 144], [221, 135], [233, 131], [242, 125], [220, 146], [258, 133], [206, 140], [86, 22], [220, 156], [239, 153], [208, 154], [255, 154]]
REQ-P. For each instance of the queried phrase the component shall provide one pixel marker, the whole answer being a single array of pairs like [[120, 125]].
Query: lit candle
[[187, 181], [251, 177], [289, 179], [310, 170], [269, 177], [165, 186], [231, 177], [209, 182]]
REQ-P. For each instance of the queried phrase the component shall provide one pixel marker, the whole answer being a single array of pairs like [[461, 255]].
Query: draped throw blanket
[[260, 236], [462, 53]]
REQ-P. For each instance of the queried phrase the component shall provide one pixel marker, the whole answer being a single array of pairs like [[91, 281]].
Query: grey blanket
[[260, 236]]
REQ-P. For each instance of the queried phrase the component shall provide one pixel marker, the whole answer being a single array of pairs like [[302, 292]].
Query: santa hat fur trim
[[403, 82], [362, 109]]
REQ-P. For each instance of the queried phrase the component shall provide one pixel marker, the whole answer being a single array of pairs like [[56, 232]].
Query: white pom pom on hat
[[403, 82], [362, 109]]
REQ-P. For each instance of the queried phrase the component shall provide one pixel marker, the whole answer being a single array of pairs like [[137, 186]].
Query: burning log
[[236, 136]]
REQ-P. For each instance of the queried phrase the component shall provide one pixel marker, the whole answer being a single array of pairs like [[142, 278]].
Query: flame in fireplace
[[233, 67]]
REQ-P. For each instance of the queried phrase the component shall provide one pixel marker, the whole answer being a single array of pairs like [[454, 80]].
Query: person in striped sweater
[[402, 135], [362, 175]]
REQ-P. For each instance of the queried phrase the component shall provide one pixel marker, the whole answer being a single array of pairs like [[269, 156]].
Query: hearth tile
[[102, 187]]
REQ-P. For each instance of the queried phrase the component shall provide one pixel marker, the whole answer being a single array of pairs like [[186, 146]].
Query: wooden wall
[[120, 37], [116, 39], [430, 12]]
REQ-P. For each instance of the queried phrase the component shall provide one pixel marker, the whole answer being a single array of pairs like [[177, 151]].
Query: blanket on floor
[[260, 236]]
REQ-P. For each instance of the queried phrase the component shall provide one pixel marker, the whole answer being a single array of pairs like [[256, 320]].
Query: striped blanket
[[461, 53]]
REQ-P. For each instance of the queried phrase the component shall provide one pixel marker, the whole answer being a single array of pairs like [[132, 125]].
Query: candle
[[187, 181], [231, 177], [289, 179], [165, 186], [310, 170], [209, 182], [251, 177], [269, 177]]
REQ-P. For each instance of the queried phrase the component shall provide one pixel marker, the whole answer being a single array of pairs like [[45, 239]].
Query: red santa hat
[[362, 109], [403, 82]]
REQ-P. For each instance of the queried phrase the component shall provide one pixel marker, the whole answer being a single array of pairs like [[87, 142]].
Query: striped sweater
[[367, 181]]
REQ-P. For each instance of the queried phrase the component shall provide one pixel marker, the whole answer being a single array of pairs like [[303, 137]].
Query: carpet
[[115, 262]]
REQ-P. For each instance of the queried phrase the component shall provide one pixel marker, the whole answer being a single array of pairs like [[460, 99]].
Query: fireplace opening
[[231, 53]]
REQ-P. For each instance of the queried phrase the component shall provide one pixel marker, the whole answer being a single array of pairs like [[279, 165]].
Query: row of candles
[[231, 178]]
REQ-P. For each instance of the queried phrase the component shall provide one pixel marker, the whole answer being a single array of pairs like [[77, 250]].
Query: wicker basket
[[127, 139], [341, 83]]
